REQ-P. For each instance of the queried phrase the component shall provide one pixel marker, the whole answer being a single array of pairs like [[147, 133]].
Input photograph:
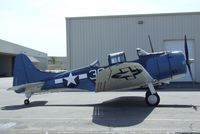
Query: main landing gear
[[151, 96]]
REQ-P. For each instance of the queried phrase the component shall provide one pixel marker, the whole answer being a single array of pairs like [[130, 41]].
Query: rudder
[[25, 72]]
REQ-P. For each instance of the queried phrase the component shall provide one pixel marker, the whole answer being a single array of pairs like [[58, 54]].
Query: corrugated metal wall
[[90, 38]]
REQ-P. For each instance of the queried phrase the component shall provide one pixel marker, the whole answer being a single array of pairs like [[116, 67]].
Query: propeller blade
[[186, 49], [188, 61], [151, 44], [190, 71]]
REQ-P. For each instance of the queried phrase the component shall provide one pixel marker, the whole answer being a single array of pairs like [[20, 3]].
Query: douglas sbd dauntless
[[149, 70]]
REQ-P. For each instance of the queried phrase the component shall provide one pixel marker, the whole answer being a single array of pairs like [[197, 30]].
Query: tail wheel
[[152, 99], [26, 101]]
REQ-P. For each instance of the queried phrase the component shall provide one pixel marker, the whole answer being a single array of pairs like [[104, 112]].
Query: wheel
[[26, 101], [152, 99]]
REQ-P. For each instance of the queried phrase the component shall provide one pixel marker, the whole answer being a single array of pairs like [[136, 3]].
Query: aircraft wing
[[122, 76], [30, 87]]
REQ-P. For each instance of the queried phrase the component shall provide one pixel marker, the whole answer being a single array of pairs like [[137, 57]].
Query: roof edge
[[134, 15]]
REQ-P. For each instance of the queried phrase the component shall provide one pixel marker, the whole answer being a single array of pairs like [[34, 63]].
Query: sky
[[40, 24]]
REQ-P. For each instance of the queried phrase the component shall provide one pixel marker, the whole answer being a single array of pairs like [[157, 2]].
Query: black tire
[[147, 93], [26, 101], [152, 99]]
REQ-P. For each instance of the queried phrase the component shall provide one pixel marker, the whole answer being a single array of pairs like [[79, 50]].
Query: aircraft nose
[[177, 63]]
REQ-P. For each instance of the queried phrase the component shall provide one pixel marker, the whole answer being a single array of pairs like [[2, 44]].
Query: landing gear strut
[[151, 96], [28, 95]]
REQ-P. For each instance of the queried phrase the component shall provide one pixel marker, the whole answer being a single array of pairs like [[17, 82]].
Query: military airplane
[[150, 69]]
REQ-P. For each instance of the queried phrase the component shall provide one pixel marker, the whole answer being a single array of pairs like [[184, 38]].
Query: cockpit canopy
[[115, 58], [95, 63]]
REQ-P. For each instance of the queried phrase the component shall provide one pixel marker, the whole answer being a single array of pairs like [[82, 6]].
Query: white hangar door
[[178, 45]]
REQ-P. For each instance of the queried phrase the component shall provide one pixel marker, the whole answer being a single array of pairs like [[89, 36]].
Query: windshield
[[117, 59]]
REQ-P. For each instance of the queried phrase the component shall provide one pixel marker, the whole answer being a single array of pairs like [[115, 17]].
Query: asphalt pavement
[[106, 112]]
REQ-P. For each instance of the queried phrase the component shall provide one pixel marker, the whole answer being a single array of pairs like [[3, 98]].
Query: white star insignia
[[70, 79]]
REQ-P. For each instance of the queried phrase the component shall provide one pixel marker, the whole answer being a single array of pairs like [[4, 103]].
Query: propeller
[[188, 61], [151, 44]]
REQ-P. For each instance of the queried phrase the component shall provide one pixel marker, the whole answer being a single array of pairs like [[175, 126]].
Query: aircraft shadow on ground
[[121, 112], [118, 112], [18, 107], [125, 111]]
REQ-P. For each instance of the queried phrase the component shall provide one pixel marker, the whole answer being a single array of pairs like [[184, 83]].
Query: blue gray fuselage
[[160, 66]]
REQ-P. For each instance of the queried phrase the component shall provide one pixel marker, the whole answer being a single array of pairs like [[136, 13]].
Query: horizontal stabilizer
[[33, 87]]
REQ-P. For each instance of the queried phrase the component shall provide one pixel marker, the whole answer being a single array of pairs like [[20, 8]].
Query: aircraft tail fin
[[25, 72]]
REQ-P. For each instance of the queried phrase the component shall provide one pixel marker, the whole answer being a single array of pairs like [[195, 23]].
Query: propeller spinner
[[188, 61]]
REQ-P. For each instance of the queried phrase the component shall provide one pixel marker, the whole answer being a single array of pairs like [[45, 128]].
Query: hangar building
[[90, 38], [8, 51]]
